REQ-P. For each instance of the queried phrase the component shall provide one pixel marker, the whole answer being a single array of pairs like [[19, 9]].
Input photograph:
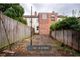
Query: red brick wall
[[44, 25]]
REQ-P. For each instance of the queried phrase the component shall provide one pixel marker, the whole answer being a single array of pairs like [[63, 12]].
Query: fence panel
[[68, 37], [79, 41], [65, 37], [75, 40], [15, 31]]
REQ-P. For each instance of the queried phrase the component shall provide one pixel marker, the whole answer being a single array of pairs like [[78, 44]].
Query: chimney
[[53, 12], [35, 13]]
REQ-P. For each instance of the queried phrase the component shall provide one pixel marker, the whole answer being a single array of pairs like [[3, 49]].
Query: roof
[[29, 16]]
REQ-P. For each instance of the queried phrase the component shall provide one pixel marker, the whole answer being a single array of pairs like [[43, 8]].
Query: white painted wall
[[34, 23], [60, 19]]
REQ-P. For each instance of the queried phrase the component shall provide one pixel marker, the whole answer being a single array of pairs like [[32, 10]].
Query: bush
[[20, 19], [67, 23], [52, 27], [14, 11]]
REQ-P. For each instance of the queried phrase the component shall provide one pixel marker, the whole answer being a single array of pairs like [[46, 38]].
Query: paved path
[[21, 47]]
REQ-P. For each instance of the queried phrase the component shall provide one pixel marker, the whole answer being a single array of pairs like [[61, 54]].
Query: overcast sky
[[61, 9]]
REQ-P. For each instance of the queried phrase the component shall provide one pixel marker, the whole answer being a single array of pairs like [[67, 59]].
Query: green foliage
[[20, 19], [5, 6], [67, 23], [14, 11], [18, 10], [10, 12], [52, 27]]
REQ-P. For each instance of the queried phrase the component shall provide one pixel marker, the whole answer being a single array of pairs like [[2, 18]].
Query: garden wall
[[68, 37], [12, 30]]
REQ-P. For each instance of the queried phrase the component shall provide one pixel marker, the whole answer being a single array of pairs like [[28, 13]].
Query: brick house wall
[[44, 23]]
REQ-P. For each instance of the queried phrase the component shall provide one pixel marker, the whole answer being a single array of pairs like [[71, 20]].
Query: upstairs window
[[44, 16]]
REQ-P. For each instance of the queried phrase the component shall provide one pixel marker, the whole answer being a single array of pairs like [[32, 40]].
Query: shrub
[[67, 23], [20, 19], [52, 27], [14, 11]]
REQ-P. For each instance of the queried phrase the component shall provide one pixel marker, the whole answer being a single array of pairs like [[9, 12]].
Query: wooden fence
[[68, 37], [12, 31]]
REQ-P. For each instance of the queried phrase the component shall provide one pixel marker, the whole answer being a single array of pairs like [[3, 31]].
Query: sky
[[61, 9]]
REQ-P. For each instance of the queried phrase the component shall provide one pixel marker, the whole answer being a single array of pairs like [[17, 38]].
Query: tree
[[18, 10], [10, 12], [4, 7], [14, 11]]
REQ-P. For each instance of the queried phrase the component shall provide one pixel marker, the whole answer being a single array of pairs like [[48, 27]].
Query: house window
[[44, 16], [37, 27]]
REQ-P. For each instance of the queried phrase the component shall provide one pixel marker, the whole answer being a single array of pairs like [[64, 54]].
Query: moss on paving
[[65, 49]]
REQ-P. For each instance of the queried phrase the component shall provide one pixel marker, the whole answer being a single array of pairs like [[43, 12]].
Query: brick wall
[[44, 24]]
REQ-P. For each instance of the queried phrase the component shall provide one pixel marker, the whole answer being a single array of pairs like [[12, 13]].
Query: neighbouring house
[[35, 23], [41, 21]]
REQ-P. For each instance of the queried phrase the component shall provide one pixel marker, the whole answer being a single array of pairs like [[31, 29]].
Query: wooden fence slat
[[68, 37], [16, 31]]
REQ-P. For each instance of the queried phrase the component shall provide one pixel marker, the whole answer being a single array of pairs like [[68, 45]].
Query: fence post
[[67, 37], [78, 39], [55, 34], [72, 40], [63, 35]]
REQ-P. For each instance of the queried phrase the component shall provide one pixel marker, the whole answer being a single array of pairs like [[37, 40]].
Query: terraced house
[[41, 21]]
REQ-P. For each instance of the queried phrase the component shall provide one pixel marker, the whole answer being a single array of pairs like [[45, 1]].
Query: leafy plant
[[67, 23], [14, 11]]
